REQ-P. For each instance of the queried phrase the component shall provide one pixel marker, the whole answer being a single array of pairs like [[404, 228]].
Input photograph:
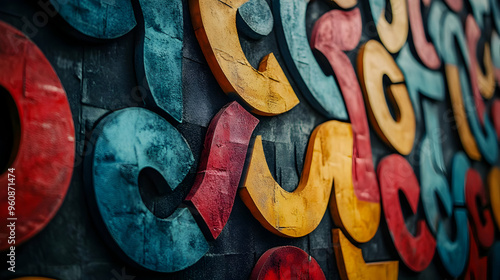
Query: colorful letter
[[430, 84], [320, 89], [44, 145], [373, 63], [286, 262], [484, 229], [335, 32], [460, 89], [425, 49], [125, 143], [453, 253], [328, 161], [395, 175], [159, 54], [221, 164], [352, 265], [393, 35], [266, 90]]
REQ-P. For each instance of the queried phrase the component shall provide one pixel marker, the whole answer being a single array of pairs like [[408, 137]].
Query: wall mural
[[250, 139]]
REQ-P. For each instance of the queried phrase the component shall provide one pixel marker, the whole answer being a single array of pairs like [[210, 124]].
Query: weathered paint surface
[[430, 84], [46, 145], [266, 90], [477, 267], [255, 19], [454, 253], [474, 140], [221, 164], [494, 193], [468, 142], [159, 54], [333, 33], [435, 190], [433, 183], [328, 163], [393, 35], [483, 227], [395, 175], [286, 262], [321, 90], [352, 265], [373, 63], [297, 213], [425, 49], [126, 142], [433, 179], [100, 19]]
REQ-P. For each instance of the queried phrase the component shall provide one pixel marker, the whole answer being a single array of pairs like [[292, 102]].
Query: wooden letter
[[335, 32], [393, 35], [425, 49], [373, 63], [328, 161], [321, 90], [395, 174], [266, 90], [352, 266], [484, 229], [125, 143], [221, 164], [286, 262], [44, 147], [159, 54], [430, 84], [474, 140]]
